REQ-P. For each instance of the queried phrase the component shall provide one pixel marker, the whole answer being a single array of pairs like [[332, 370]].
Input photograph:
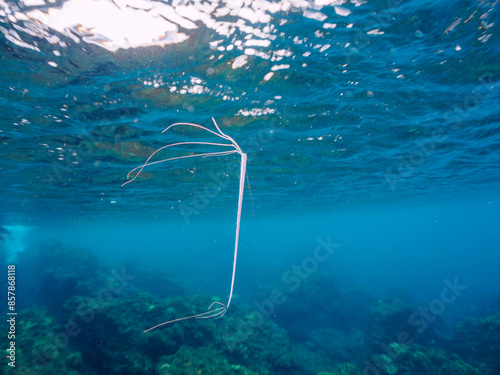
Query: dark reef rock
[[420, 360], [92, 321], [153, 281], [43, 347], [325, 323], [395, 320], [204, 360], [328, 348], [113, 341], [318, 302], [62, 272], [89, 320], [478, 340], [343, 369]]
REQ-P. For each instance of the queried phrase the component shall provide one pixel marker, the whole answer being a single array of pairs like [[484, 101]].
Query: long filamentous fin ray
[[218, 312]]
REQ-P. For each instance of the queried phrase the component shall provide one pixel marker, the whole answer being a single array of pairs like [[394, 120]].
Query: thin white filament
[[219, 311]]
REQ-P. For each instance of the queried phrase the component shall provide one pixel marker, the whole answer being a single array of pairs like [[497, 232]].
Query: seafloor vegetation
[[84, 319]]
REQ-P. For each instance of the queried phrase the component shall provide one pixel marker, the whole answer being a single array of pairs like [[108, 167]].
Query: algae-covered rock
[[93, 322], [203, 360], [420, 360], [111, 339], [395, 320], [43, 346], [478, 339], [256, 342], [343, 369], [114, 342], [328, 348]]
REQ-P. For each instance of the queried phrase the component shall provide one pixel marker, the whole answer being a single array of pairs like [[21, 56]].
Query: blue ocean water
[[371, 190]]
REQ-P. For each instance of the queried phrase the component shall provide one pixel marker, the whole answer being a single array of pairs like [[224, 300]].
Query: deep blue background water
[[382, 133], [409, 249]]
